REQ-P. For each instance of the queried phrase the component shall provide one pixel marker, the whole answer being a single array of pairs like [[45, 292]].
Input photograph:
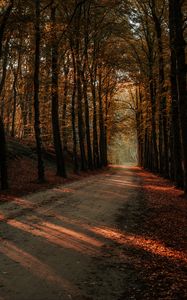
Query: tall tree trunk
[[178, 45], [146, 149], [16, 73], [4, 71], [163, 132], [101, 122], [87, 123], [41, 175], [80, 119], [85, 84], [96, 159], [60, 163], [64, 112], [3, 157], [14, 108], [73, 121], [153, 120], [107, 107], [3, 152], [79, 92], [176, 141], [139, 124]]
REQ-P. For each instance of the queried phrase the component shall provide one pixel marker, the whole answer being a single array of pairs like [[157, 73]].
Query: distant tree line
[[157, 51]]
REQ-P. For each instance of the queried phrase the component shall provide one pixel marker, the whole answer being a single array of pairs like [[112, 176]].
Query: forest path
[[90, 239]]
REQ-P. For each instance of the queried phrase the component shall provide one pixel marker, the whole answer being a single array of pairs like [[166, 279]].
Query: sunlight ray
[[155, 247], [52, 236], [77, 235], [34, 265]]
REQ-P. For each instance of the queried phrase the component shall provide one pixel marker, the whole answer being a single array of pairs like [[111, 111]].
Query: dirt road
[[85, 241]]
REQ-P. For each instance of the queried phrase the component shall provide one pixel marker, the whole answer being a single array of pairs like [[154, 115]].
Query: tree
[[178, 82], [41, 175], [61, 170], [3, 153]]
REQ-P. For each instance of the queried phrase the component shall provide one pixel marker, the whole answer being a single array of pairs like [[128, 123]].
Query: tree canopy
[[63, 65]]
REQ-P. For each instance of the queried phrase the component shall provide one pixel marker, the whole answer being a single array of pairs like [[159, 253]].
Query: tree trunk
[[86, 10], [176, 141], [79, 93], [96, 159], [60, 164], [153, 121], [14, 108], [163, 133], [3, 152], [73, 121], [3, 157], [4, 71], [178, 45], [15, 96], [101, 122], [64, 112], [87, 122], [41, 175], [107, 106], [80, 119], [139, 125]]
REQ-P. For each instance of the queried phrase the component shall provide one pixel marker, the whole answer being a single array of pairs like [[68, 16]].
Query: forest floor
[[22, 169], [117, 235]]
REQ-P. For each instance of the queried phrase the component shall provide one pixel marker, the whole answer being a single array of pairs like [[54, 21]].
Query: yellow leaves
[[47, 27], [3, 4]]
